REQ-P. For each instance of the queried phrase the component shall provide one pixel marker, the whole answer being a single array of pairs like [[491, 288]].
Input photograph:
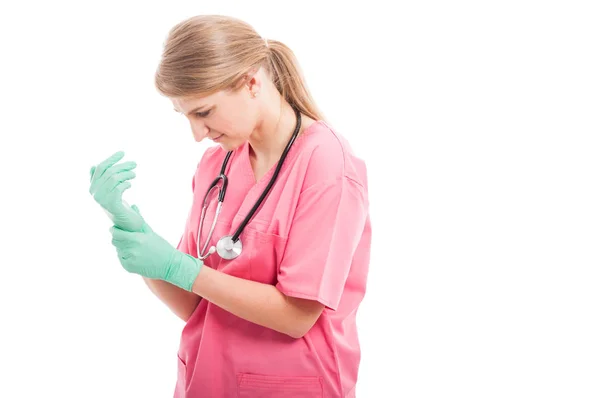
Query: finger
[[145, 226], [126, 263], [104, 165], [121, 187], [108, 174], [124, 254], [123, 244], [125, 166], [120, 235], [117, 179]]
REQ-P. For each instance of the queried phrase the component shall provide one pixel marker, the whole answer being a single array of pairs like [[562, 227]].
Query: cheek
[[236, 116], [229, 125], [236, 125]]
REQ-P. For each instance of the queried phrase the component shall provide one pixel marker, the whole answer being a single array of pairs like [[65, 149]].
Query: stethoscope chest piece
[[228, 249]]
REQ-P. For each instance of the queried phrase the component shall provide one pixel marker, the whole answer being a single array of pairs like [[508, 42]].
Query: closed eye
[[203, 114]]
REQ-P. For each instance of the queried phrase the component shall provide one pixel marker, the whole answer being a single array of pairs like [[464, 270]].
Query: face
[[226, 117]]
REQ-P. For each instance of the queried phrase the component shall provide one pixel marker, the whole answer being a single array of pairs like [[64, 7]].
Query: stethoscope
[[230, 246]]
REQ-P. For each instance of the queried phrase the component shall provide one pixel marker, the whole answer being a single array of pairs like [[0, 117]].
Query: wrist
[[183, 270]]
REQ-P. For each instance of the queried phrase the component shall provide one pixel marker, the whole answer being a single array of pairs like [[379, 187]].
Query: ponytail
[[289, 80]]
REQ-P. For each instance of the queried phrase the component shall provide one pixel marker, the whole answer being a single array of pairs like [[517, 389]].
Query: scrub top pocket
[[263, 255], [265, 386]]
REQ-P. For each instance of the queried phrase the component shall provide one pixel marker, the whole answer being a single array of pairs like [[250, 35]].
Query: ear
[[253, 82]]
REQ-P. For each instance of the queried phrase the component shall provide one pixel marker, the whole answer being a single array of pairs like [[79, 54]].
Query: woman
[[270, 308]]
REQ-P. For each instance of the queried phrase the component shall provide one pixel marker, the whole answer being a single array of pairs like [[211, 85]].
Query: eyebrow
[[192, 111]]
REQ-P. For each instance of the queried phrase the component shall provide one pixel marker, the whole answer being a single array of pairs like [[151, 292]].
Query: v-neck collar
[[250, 170], [263, 181], [253, 189]]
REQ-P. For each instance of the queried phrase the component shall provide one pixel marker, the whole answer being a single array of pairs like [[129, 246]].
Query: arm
[[149, 255], [256, 302], [340, 206], [181, 302]]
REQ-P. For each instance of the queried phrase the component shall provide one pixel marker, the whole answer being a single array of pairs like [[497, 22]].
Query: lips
[[217, 138]]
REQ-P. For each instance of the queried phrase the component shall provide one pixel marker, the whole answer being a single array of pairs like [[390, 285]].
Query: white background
[[479, 123]]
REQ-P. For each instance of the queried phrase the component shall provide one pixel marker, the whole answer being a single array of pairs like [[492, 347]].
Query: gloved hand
[[108, 182], [147, 254]]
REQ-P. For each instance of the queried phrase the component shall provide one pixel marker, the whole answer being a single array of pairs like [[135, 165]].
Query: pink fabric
[[311, 239]]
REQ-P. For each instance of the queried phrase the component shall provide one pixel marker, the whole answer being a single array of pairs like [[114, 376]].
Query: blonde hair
[[208, 53]]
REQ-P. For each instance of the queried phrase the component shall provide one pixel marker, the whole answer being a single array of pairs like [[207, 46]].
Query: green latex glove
[[147, 254], [108, 182]]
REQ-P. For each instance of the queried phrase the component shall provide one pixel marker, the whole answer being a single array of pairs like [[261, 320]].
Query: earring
[[254, 94]]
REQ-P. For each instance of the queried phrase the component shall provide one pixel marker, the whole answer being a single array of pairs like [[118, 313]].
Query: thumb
[[146, 227]]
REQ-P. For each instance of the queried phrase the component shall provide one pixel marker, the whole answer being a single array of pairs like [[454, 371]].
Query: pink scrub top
[[311, 239]]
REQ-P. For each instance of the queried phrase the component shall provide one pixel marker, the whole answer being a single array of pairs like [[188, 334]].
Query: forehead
[[186, 104]]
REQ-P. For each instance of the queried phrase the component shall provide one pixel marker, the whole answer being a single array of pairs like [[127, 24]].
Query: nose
[[199, 130]]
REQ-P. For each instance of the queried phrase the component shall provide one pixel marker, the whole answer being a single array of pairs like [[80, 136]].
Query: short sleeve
[[326, 228]]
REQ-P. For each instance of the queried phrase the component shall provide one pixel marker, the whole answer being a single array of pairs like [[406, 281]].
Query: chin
[[229, 146]]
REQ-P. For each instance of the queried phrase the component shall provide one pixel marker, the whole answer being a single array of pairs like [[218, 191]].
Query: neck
[[269, 140]]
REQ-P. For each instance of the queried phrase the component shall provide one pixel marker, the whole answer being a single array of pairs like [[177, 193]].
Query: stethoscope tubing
[[222, 191]]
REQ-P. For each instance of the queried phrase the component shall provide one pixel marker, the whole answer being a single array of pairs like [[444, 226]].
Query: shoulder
[[327, 157]]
